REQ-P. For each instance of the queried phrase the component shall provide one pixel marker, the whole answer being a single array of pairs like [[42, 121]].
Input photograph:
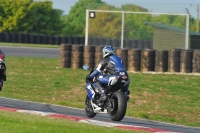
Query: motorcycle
[[115, 104]]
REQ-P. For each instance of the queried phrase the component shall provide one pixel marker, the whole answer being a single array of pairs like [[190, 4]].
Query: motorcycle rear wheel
[[88, 108], [119, 105]]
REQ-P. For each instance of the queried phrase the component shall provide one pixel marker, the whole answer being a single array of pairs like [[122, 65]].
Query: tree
[[45, 20], [27, 16], [193, 25], [75, 21], [134, 8], [134, 27], [109, 24], [106, 24], [172, 20], [12, 13]]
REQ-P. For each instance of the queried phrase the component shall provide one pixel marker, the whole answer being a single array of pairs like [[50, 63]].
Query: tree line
[[39, 17]]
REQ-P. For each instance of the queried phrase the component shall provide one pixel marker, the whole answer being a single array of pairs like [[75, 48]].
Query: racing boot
[[101, 100], [126, 93]]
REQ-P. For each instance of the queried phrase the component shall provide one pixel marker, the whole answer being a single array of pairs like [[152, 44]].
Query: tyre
[[119, 105], [88, 108]]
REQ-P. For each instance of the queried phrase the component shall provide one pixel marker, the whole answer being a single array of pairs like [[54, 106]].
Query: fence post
[[122, 35], [86, 28], [187, 32]]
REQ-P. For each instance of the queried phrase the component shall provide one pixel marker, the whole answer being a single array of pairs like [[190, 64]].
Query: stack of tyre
[[65, 55], [161, 61], [196, 61], [89, 56], [147, 60], [186, 61], [174, 58], [77, 56], [98, 55], [134, 59], [123, 53]]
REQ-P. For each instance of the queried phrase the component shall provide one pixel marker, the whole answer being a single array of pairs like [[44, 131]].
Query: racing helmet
[[107, 50]]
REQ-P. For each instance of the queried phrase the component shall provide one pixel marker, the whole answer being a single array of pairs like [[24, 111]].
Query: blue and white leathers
[[111, 65], [90, 91], [118, 64]]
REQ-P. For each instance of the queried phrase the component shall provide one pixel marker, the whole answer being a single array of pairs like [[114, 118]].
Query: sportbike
[[116, 102]]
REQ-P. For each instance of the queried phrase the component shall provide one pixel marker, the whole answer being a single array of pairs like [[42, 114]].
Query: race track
[[31, 52]]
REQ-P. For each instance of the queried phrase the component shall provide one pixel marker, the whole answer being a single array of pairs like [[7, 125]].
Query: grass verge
[[27, 123]]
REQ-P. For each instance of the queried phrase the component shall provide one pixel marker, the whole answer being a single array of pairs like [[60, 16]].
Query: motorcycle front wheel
[[88, 108], [119, 105]]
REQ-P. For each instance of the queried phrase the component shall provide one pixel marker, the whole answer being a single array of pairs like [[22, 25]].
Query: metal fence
[[140, 30]]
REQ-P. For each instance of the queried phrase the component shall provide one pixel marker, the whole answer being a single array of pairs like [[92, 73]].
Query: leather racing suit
[[112, 65]]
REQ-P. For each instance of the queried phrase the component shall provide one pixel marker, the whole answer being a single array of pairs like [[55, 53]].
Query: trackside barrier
[[40, 39], [144, 60]]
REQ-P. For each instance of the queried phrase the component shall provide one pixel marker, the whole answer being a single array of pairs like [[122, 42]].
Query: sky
[[164, 6]]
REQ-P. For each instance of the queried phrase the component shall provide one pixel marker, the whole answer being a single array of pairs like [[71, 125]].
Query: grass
[[27, 123], [171, 98]]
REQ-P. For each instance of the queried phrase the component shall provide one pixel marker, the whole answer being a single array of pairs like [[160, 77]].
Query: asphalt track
[[43, 107], [31, 52]]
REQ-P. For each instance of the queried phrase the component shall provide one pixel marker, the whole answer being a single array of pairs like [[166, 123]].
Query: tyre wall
[[144, 60]]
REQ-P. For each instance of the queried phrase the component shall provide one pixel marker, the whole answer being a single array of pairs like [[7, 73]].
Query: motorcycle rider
[[113, 65], [2, 69]]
